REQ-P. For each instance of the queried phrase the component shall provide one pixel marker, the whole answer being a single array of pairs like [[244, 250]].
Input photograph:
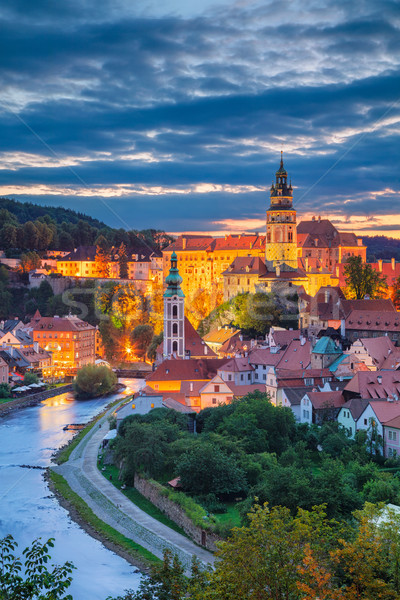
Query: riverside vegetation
[[252, 449]]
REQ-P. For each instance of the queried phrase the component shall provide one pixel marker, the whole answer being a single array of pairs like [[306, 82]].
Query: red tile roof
[[321, 400], [195, 369], [385, 411], [380, 304], [375, 384], [378, 348], [246, 265], [237, 365], [62, 324], [362, 320], [193, 342]]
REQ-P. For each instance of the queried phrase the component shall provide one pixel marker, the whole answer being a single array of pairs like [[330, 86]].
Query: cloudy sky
[[173, 114]]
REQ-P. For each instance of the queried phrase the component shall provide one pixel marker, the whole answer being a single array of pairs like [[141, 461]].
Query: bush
[[5, 391], [93, 381], [30, 378]]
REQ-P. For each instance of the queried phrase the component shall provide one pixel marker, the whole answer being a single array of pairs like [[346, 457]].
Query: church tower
[[281, 242], [174, 313]]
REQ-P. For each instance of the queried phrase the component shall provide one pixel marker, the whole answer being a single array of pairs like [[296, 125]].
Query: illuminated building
[[70, 340]]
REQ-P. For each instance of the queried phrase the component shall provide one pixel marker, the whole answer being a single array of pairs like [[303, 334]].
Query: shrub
[[93, 381]]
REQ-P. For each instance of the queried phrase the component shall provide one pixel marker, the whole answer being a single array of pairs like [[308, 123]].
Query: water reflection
[[27, 510]]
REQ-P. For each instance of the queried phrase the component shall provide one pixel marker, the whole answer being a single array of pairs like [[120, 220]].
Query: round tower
[[281, 242], [174, 313]]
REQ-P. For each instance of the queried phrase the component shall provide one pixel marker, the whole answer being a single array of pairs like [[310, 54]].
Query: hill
[[27, 211], [28, 226], [380, 246]]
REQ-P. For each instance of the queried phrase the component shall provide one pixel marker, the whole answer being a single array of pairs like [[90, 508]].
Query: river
[[27, 508]]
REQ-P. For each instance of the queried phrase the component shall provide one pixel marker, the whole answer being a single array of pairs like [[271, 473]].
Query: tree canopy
[[363, 280]]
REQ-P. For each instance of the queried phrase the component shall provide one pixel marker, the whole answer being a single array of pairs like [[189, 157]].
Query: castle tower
[[281, 243], [174, 313]]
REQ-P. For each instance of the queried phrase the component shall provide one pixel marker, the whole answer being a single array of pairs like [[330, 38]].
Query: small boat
[[74, 427]]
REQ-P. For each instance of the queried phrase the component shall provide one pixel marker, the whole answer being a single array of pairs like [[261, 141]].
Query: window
[[241, 377], [174, 346], [365, 422], [214, 401], [264, 377], [175, 329], [216, 388], [392, 435], [309, 381], [174, 310], [133, 406]]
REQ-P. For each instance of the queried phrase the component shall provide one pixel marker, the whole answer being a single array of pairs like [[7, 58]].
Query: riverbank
[[33, 399], [86, 519], [116, 511]]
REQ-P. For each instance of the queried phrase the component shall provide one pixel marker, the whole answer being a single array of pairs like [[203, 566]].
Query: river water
[[27, 508]]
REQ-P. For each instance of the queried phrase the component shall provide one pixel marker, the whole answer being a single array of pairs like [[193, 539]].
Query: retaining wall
[[176, 513], [33, 399]]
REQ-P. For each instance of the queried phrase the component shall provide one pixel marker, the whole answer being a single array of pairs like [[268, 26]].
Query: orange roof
[[62, 324], [196, 369]]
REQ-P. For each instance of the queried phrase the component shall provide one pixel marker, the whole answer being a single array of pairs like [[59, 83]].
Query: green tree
[[30, 577], [152, 349], [30, 235], [6, 302], [206, 469], [123, 262], [9, 235], [256, 313], [5, 390], [93, 381], [362, 280], [142, 336], [30, 378]]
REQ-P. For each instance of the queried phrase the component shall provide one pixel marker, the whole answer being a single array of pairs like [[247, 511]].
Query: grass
[[231, 516], [64, 454], [136, 551], [4, 400], [136, 498]]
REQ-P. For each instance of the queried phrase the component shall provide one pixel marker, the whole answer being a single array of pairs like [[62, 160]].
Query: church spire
[[173, 280]]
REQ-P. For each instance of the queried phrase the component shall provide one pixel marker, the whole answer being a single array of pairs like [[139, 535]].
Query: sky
[[172, 115]]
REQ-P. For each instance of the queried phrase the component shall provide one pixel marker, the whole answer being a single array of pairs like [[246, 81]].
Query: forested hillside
[[27, 226]]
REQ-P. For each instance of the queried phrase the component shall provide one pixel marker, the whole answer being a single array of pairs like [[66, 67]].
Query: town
[[233, 372], [336, 357]]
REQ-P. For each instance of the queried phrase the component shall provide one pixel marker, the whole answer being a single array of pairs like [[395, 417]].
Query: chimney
[[326, 296], [379, 379], [380, 261], [278, 271], [313, 218], [36, 346], [191, 386], [393, 264], [319, 218], [302, 340], [184, 243], [359, 242], [343, 328], [306, 263]]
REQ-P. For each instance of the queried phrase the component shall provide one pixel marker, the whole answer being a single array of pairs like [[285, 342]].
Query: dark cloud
[[210, 98]]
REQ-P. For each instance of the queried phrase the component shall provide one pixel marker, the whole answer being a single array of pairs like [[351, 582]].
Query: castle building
[[281, 246], [307, 254], [174, 313]]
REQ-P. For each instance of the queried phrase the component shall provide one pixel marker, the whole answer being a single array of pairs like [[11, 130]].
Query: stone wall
[[33, 399], [174, 512]]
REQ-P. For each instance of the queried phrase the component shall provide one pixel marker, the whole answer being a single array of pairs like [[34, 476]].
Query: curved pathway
[[115, 509]]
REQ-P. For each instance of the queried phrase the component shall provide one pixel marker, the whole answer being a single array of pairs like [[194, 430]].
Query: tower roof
[[281, 171], [173, 280]]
